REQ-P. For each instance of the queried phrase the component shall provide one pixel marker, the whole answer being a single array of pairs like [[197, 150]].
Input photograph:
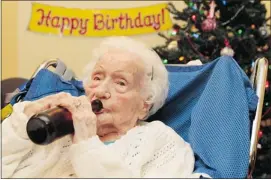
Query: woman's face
[[117, 81]]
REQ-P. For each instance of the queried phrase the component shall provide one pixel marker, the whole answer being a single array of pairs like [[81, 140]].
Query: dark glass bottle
[[47, 126]]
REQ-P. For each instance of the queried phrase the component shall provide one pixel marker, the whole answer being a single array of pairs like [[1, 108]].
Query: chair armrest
[[258, 80]]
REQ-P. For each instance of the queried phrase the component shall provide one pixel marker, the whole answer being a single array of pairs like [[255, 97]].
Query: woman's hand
[[40, 105], [84, 120]]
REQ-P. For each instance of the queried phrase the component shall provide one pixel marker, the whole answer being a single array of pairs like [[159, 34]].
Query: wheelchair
[[219, 157]]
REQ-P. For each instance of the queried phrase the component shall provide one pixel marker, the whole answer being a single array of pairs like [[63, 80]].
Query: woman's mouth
[[101, 111]]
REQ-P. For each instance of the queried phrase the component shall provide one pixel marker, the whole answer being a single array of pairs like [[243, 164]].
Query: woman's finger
[[45, 103], [84, 120]]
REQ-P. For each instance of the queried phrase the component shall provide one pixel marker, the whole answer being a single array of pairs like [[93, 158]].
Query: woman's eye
[[96, 78], [121, 83]]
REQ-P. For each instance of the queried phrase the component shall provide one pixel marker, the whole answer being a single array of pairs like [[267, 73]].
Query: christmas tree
[[238, 28]]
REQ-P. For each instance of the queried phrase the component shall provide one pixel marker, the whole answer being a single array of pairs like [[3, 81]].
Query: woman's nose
[[102, 91], [102, 95]]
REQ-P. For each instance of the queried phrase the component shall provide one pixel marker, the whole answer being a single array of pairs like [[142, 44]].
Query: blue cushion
[[46, 83], [209, 106]]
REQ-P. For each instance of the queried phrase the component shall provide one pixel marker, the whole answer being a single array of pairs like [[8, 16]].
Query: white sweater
[[151, 150]]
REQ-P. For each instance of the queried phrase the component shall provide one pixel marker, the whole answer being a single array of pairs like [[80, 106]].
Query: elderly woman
[[132, 84]]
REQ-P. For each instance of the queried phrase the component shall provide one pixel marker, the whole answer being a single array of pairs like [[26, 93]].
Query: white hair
[[155, 85]]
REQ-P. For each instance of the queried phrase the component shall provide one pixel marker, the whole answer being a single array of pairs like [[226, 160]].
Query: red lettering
[[74, 24], [55, 22], [120, 23], [98, 22], [44, 17], [163, 16], [65, 23], [115, 20], [83, 26], [128, 19], [156, 24], [138, 21], [107, 22], [147, 21]]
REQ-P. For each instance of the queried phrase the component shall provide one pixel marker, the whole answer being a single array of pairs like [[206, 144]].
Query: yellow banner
[[99, 22]]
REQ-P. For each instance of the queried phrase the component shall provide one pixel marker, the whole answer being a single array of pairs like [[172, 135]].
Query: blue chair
[[208, 105]]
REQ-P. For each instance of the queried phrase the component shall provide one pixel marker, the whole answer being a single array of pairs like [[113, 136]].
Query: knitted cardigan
[[150, 150]]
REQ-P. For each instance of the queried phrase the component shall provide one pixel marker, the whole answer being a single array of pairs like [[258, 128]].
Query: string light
[[230, 34], [195, 7], [240, 31], [252, 26], [181, 58], [165, 61], [260, 134], [195, 35], [174, 32], [194, 17], [267, 84], [191, 4]]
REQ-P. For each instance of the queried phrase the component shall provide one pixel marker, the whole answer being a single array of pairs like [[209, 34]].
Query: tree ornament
[[227, 51], [264, 31], [209, 24]]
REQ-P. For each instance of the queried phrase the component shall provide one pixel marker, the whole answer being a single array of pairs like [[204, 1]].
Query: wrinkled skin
[[116, 80]]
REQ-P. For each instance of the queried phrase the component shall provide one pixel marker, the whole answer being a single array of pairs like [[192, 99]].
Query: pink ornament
[[209, 24]]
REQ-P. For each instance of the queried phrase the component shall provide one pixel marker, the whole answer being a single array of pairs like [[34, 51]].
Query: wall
[[24, 51], [9, 39], [74, 51]]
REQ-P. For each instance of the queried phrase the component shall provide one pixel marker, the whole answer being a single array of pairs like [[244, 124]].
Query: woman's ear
[[144, 110]]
